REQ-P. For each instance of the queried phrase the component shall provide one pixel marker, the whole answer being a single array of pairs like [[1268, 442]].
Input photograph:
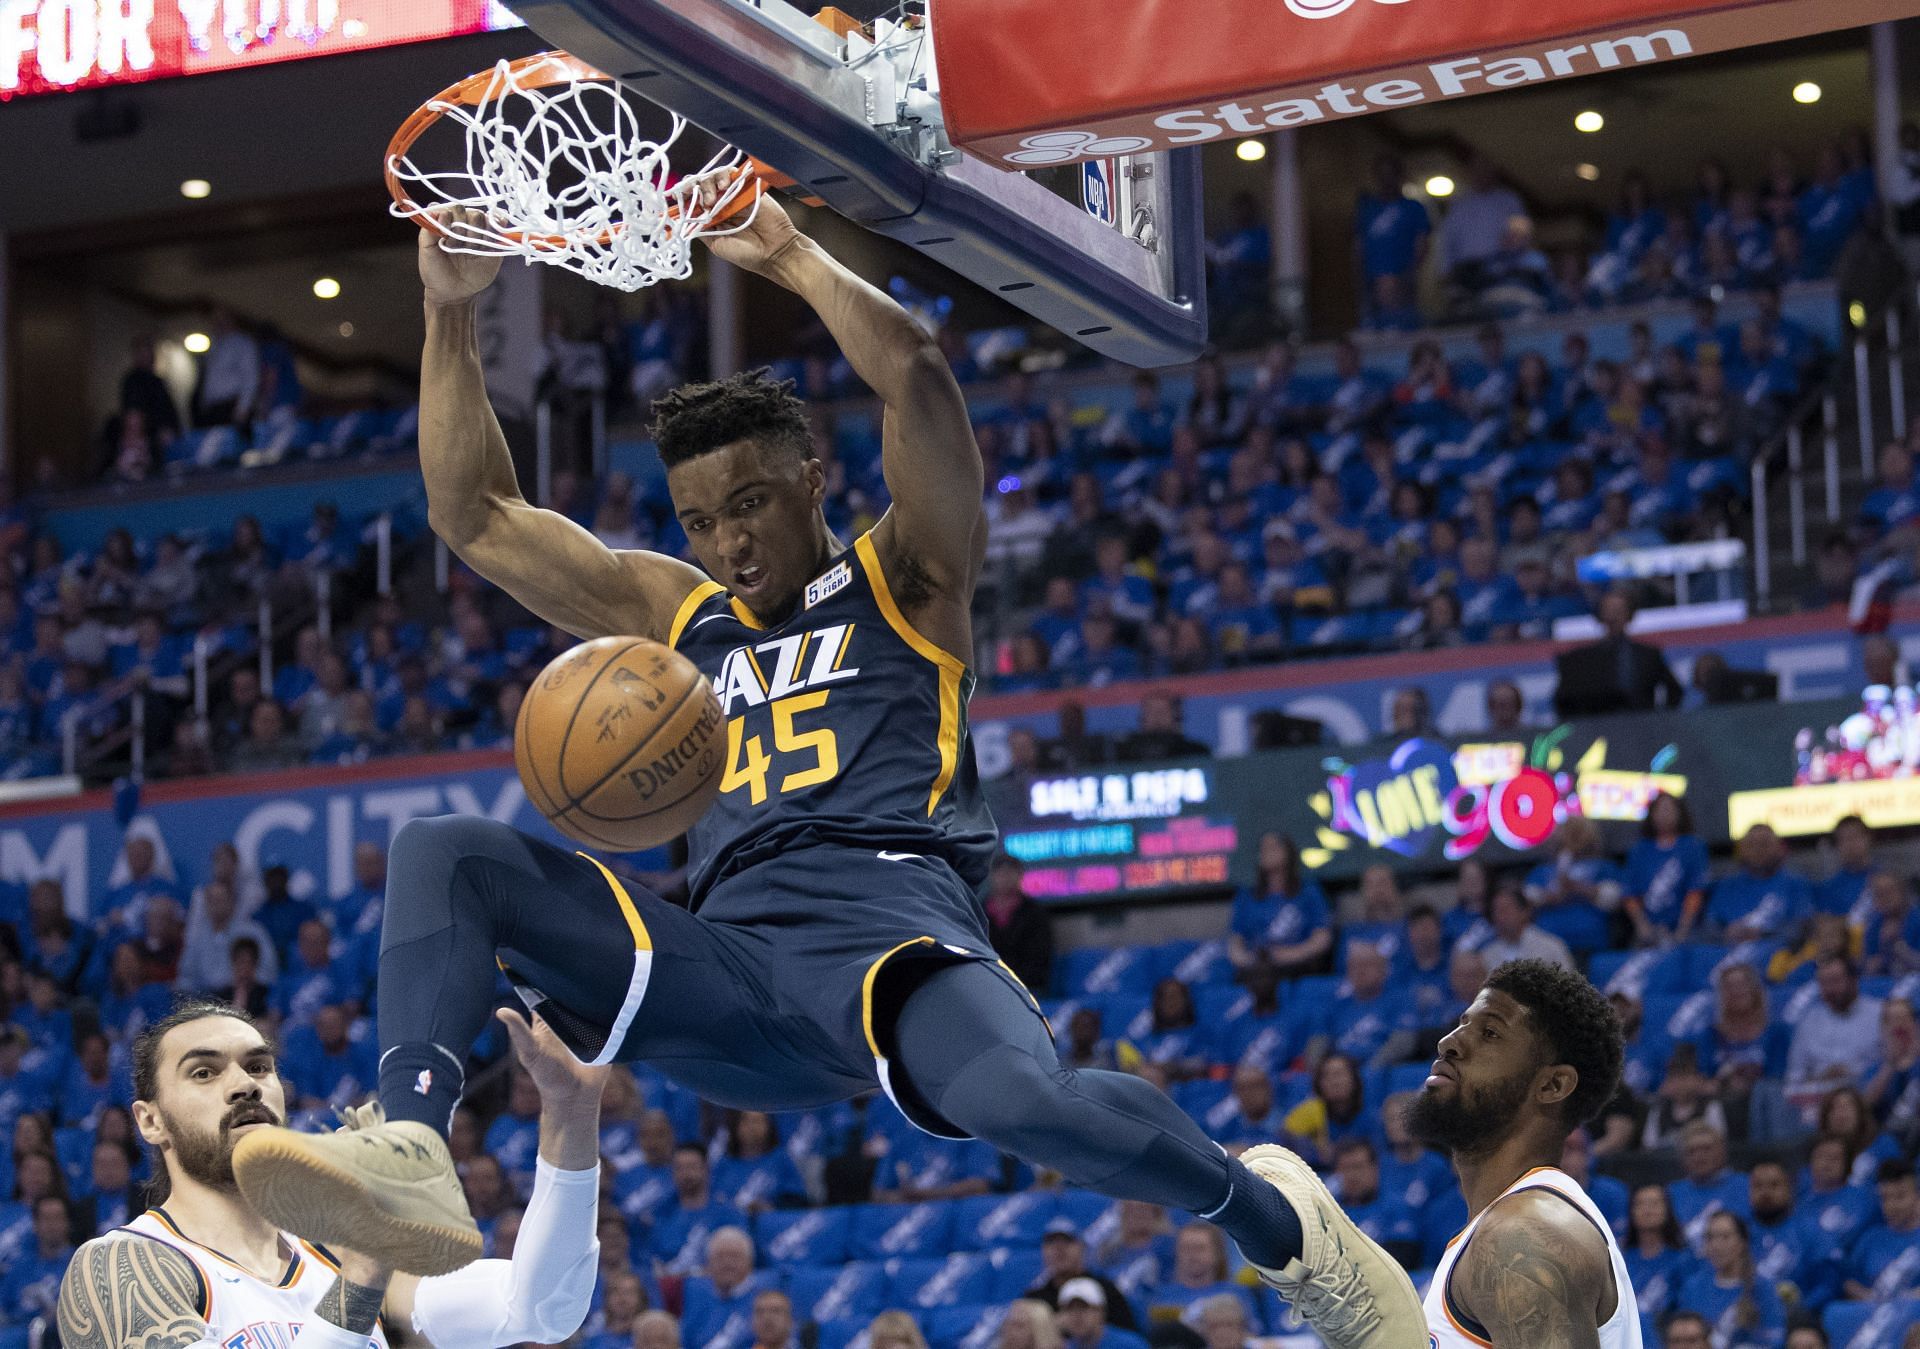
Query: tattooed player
[[202, 1270], [1535, 1056]]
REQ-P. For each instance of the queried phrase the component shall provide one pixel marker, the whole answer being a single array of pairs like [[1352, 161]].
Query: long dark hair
[[1671, 1235], [1679, 805], [1289, 867]]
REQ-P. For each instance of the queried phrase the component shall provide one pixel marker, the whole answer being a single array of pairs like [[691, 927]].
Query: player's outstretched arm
[[128, 1292], [1536, 1275], [543, 1294], [544, 560], [927, 452]]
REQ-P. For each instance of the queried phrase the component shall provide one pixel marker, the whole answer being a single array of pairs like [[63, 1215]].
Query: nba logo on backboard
[[1096, 189]]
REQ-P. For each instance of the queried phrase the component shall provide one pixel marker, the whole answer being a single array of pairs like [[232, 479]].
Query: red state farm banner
[[1033, 82]]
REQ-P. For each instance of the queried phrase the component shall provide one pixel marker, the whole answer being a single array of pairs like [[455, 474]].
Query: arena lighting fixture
[[346, 330], [197, 343], [1806, 92], [1252, 151], [1857, 314], [1588, 173], [326, 288], [1439, 186], [196, 189], [1589, 121]]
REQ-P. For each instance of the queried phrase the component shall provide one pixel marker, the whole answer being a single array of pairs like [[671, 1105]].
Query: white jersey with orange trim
[[241, 1309], [1449, 1328]]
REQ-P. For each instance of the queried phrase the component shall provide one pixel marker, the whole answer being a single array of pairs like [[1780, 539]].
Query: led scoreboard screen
[[54, 46], [1120, 834]]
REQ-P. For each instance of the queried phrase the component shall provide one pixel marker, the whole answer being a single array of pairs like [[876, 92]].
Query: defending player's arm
[[130, 1292], [1536, 1275], [544, 560], [543, 1294], [927, 453]]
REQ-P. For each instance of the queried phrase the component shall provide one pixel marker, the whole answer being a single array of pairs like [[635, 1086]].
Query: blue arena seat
[[991, 1220], [1126, 1015], [1869, 1325], [957, 1280], [856, 1290], [892, 1231], [1218, 1004], [970, 1327], [804, 1236], [1119, 969], [843, 1332], [1641, 973], [1015, 1270], [1195, 963], [1086, 1211]]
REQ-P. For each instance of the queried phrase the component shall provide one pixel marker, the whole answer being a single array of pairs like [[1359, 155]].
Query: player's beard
[[1469, 1122], [206, 1157]]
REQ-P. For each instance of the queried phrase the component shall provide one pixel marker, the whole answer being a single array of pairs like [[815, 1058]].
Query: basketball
[[618, 744]]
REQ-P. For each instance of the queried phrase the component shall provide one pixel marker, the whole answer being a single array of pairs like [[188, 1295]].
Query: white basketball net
[[622, 218]]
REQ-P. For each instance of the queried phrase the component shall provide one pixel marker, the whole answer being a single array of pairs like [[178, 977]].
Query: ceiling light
[[1587, 173], [1439, 186], [1589, 121], [197, 343], [1806, 92], [1252, 151], [196, 189], [326, 288], [1857, 314], [346, 330]]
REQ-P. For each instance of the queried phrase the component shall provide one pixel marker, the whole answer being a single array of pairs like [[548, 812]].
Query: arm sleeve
[[541, 1295]]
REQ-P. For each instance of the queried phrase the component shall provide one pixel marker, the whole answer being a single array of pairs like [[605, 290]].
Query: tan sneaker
[[386, 1191], [1343, 1285]]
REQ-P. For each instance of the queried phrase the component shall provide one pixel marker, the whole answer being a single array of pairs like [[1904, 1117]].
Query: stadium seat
[[991, 1220], [844, 1332], [894, 1231], [1197, 964], [970, 1327], [804, 1236], [1869, 1325], [1087, 1212], [956, 1280], [1015, 1270], [1119, 969], [1641, 974], [857, 1290]]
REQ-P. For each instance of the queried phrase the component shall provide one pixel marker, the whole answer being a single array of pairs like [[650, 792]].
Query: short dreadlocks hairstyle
[[1578, 1025], [752, 405]]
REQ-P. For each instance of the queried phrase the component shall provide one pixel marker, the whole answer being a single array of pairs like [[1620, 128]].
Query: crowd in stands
[[1727, 236], [1757, 1161]]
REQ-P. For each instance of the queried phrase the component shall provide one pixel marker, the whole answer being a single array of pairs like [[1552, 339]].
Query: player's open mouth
[[749, 579]]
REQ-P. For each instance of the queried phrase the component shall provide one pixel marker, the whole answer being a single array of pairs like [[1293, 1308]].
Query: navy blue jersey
[[845, 727]]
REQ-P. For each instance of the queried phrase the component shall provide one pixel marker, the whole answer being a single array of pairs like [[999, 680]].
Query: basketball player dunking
[[202, 1269], [836, 940], [1536, 1055]]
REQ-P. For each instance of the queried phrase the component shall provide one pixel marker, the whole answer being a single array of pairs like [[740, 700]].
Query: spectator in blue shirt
[[31, 1286], [1844, 891], [1384, 1217], [755, 1173], [1840, 1209], [1762, 899], [717, 1305], [312, 978], [1240, 260], [1892, 1089], [1101, 660], [1574, 893], [680, 1234], [279, 912], [23, 1090], [126, 901], [623, 1296], [1895, 500], [1890, 942], [91, 1083], [1084, 1318], [1787, 1252], [1637, 223], [1409, 1169], [325, 1066], [1706, 1186], [1665, 886], [643, 1183], [1885, 1261], [1830, 210], [1283, 917], [1248, 1116], [53, 944], [1368, 1013], [1744, 1309], [1200, 1271], [1656, 1251], [1146, 427], [1128, 596], [1394, 229]]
